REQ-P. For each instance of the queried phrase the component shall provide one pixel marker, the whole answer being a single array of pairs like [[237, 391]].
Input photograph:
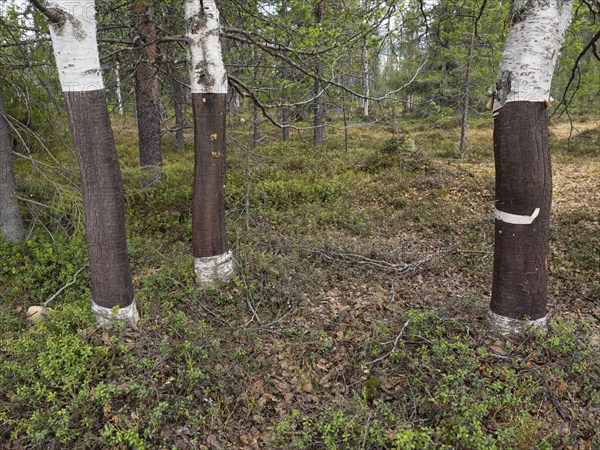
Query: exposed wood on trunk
[[147, 91], [11, 224]]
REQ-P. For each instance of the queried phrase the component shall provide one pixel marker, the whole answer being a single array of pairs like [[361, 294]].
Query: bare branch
[[53, 15], [576, 72]]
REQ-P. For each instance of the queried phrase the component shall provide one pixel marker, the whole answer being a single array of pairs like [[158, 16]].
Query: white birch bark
[[531, 50], [106, 316], [118, 90], [507, 326], [207, 71], [75, 46], [211, 268], [365, 64]]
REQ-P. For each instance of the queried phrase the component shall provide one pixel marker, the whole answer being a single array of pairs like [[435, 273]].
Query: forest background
[[363, 233]]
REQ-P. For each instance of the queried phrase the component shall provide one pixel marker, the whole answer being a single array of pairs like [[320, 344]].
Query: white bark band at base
[[106, 316], [507, 326], [211, 268], [516, 219]]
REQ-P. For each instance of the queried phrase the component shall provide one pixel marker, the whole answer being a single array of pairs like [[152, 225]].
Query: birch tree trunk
[[118, 95], [73, 31], [11, 224], [213, 256], [147, 91], [365, 80], [523, 171]]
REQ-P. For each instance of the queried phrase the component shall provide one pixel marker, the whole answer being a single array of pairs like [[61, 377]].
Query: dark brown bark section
[[147, 88], [523, 183], [11, 225], [209, 237], [103, 198]]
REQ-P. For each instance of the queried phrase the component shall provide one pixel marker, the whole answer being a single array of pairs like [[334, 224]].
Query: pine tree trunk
[[285, 111], [178, 108], [319, 102], [523, 172], [147, 91], [11, 224], [213, 256], [76, 53], [467, 95]]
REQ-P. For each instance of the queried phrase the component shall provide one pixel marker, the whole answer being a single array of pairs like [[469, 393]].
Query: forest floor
[[356, 318]]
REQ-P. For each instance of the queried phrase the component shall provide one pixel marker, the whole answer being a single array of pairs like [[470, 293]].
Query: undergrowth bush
[[456, 392]]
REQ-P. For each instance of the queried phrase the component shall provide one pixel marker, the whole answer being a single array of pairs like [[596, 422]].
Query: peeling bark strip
[[209, 237], [207, 71], [103, 198], [531, 50], [515, 218], [75, 46], [523, 185], [11, 225]]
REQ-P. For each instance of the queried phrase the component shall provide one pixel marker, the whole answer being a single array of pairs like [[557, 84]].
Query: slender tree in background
[[213, 256], [523, 171], [319, 102], [11, 224], [73, 31], [178, 94], [147, 90], [285, 74], [467, 95], [118, 96]]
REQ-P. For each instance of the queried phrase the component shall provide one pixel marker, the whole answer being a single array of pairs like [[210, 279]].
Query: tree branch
[[574, 71], [53, 15]]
